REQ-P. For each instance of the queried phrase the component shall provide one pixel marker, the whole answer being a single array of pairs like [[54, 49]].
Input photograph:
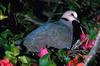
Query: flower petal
[[43, 51]]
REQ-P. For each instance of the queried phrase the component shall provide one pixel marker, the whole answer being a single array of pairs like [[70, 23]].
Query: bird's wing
[[51, 34]]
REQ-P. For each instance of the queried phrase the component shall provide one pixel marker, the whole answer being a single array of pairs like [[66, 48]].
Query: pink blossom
[[43, 51], [88, 45], [5, 62], [83, 36]]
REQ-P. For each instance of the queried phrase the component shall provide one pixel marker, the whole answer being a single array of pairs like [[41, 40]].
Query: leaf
[[2, 8], [2, 17], [15, 50], [92, 33], [46, 61], [9, 54], [3, 41], [67, 59], [61, 53], [23, 64], [6, 33], [7, 46], [24, 59], [72, 5]]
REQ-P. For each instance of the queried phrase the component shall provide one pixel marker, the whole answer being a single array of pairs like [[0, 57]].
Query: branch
[[93, 50]]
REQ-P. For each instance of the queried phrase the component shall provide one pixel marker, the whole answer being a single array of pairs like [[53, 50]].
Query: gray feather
[[58, 34]]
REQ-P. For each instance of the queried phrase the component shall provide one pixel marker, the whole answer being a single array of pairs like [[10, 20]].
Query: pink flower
[[43, 51], [88, 45], [5, 62], [83, 36]]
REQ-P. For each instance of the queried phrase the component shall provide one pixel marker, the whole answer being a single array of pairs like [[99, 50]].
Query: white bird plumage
[[70, 15]]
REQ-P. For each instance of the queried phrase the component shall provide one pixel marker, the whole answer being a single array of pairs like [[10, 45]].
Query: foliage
[[27, 15]]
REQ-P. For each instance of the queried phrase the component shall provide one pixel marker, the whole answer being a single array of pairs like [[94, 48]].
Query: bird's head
[[70, 15]]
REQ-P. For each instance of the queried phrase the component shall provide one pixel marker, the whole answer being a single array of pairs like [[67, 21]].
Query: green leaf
[[72, 5], [6, 33], [24, 59], [2, 7], [67, 59], [46, 61], [92, 34], [3, 40], [4, 43], [61, 53], [3, 17], [7, 46], [15, 50], [9, 54], [23, 64]]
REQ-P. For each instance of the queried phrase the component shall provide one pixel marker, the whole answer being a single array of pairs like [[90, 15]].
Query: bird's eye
[[72, 14]]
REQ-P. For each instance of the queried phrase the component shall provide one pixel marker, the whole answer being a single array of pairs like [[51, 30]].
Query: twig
[[78, 43], [93, 50]]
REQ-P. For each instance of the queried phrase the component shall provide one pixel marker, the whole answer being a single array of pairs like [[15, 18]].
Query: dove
[[58, 34]]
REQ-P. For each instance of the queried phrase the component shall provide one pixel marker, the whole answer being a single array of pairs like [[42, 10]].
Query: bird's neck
[[69, 17], [66, 22], [65, 19]]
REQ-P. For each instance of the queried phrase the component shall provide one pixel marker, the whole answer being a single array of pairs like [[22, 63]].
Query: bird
[[58, 34]]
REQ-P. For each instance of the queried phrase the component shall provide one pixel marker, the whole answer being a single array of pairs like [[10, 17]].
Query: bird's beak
[[77, 20]]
